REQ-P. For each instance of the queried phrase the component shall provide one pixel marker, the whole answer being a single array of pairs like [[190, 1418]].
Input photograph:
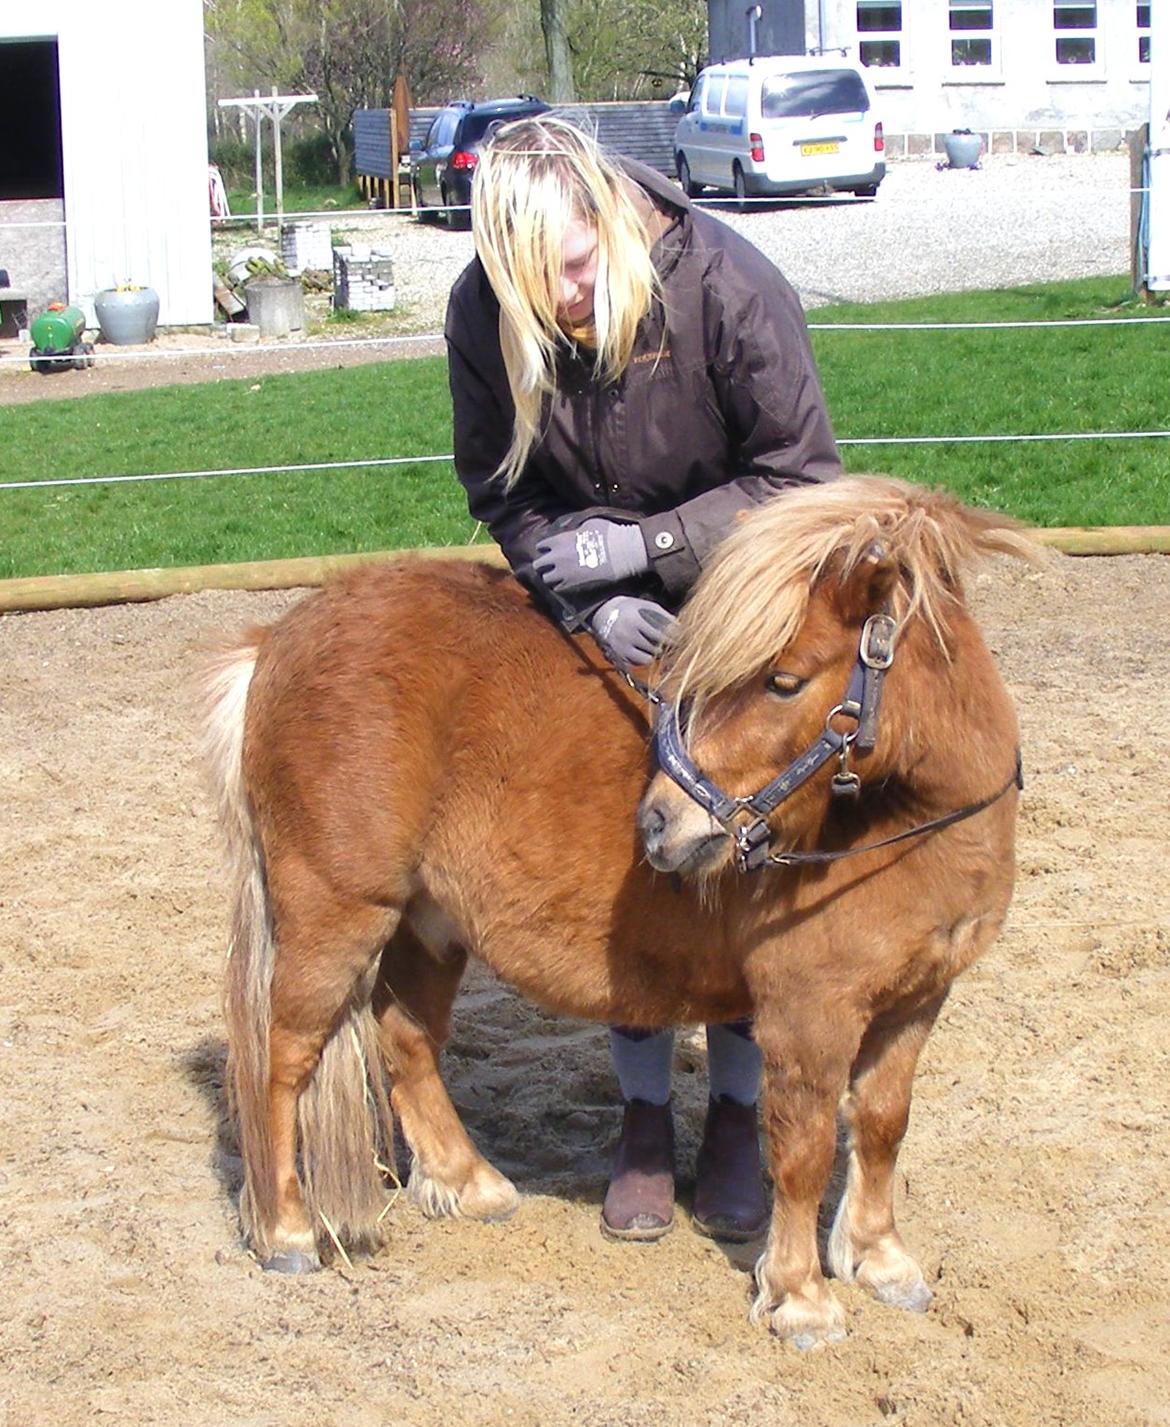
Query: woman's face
[[578, 272]]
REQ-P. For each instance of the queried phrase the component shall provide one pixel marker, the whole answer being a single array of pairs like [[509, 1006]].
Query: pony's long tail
[[344, 1118]]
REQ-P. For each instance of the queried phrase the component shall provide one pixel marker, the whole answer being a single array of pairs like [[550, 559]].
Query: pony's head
[[768, 643]]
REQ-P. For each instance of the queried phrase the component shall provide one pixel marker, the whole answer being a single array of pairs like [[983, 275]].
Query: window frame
[[1140, 68], [990, 73], [883, 76], [1071, 73]]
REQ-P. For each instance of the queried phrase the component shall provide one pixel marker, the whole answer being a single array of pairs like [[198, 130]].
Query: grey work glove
[[631, 628], [598, 552]]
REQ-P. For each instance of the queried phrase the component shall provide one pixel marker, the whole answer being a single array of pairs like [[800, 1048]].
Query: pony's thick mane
[[751, 600]]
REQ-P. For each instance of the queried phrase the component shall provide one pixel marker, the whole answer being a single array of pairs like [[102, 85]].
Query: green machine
[[58, 340]]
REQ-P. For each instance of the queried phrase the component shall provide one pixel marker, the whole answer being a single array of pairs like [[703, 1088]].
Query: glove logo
[[590, 549]]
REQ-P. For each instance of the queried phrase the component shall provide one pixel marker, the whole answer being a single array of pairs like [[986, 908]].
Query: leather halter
[[744, 818]]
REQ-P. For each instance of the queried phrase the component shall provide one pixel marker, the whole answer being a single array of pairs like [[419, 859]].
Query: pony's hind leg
[[413, 996], [865, 1244], [300, 1079]]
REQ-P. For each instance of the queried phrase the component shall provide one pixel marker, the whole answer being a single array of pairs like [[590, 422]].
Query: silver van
[[780, 124]]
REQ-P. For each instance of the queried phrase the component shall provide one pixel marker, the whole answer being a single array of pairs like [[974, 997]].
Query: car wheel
[[686, 183], [741, 193], [447, 217], [422, 212], [459, 217]]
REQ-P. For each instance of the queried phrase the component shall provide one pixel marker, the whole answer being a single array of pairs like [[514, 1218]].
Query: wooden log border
[[45, 592]]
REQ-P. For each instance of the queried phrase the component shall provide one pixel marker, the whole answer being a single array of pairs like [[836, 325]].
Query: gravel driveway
[[1019, 219]]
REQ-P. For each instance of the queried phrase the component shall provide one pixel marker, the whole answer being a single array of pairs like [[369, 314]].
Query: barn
[[107, 183]]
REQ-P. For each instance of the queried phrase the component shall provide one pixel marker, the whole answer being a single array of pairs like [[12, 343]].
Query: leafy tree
[[633, 49]]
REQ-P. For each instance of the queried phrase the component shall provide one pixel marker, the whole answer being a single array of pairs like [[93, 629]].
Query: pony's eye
[[785, 685]]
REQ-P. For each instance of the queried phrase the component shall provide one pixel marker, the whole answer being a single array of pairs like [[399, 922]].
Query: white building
[[107, 183], [1054, 74]]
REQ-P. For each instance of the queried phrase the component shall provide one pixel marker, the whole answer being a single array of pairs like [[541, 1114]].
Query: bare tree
[[347, 52], [561, 89]]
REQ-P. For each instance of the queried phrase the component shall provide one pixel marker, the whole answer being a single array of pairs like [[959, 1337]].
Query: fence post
[[1157, 276]]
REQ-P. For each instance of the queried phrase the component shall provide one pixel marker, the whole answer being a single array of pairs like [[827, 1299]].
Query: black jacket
[[729, 414]]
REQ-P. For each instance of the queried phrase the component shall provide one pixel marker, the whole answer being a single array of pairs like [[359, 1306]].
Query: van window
[[819, 91], [695, 102], [735, 100], [713, 94]]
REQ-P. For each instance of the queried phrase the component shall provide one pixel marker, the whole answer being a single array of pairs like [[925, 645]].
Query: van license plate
[[820, 148]]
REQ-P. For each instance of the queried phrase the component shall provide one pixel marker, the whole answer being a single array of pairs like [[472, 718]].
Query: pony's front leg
[[412, 1000], [805, 1071], [864, 1244]]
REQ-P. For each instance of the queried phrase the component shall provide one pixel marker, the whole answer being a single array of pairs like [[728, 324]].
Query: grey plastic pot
[[127, 317], [963, 148]]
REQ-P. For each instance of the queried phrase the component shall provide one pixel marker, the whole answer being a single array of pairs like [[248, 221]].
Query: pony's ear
[[866, 588]]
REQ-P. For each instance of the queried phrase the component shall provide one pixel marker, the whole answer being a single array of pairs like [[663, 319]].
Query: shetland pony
[[414, 765]]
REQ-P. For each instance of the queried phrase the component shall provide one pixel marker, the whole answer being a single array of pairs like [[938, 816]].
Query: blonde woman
[[627, 375]]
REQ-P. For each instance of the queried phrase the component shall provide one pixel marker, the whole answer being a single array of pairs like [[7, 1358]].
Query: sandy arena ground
[[1033, 1181]]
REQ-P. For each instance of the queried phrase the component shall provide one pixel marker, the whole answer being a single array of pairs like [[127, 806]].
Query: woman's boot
[[729, 1187], [639, 1203]]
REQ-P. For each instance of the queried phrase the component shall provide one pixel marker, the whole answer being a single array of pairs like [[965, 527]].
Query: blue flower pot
[[963, 148]]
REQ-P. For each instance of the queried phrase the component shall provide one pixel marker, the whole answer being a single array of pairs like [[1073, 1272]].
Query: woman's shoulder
[[472, 303]]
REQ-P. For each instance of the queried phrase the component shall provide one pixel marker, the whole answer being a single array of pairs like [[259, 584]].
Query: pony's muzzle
[[677, 834]]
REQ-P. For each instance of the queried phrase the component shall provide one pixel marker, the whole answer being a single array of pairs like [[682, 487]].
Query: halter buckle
[[752, 842], [876, 647]]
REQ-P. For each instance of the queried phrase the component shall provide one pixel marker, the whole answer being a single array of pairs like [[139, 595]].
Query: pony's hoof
[[913, 1297], [802, 1322], [805, 1342], [292, 1261], [489, 1196]]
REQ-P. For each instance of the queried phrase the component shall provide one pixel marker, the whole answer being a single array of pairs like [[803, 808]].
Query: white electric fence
[[226, 348], [449, 458]]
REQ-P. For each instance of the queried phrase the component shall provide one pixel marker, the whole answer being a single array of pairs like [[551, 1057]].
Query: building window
[[1143, 33], [879, 34], [1075, 24], [971, 32]]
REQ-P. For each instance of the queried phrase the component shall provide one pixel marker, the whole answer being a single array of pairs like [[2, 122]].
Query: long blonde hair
[[535, 177]]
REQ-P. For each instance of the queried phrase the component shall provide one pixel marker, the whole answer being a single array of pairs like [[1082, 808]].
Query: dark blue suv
[[442, 169]]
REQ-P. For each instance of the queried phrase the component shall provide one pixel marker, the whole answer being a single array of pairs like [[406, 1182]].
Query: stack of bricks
[[306, 247], [363, 279]]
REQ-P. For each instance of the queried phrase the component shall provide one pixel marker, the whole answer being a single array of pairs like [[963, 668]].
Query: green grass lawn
[[877, 384], [298, 198]]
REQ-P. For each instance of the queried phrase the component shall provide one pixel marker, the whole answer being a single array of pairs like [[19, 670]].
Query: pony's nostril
[[653, 824]]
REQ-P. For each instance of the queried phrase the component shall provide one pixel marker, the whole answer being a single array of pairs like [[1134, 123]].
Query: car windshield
[[821, 91]]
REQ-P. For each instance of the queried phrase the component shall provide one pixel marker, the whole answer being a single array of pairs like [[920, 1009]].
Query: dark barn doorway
[[33, 269], [30, 115]]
